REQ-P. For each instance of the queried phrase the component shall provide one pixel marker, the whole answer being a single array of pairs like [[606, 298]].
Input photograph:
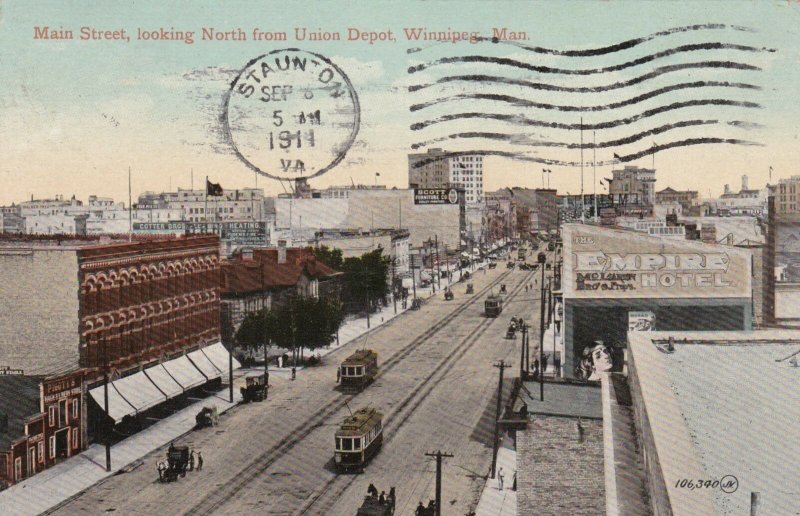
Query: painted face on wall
[[601, 356]]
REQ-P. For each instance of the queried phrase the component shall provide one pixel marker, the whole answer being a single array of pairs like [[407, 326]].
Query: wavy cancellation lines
[[687, 92]]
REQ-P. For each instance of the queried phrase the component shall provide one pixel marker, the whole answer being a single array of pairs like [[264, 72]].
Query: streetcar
[[493, 305], [359, 369], [521, 253], [358, 439]]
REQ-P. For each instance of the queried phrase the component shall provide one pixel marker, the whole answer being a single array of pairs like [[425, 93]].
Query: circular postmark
[[291, 114], [729, 484]]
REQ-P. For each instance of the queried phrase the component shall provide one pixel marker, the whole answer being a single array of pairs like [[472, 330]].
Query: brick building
[[42, 421], [144, 300]]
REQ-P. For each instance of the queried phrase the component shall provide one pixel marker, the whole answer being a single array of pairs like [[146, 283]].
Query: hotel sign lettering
[[606, 267]]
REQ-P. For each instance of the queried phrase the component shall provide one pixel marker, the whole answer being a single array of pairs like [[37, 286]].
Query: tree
[[366, 278], [304, 322], [331, 257]]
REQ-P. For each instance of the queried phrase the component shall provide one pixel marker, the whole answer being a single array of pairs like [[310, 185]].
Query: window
[[75, 412], [41, 451], [357, 443], [52, 446], [51, 415], [75, 439], [347, 444]]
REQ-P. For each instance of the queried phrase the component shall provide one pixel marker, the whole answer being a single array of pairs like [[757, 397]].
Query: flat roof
[[729, 401], [564, 399]]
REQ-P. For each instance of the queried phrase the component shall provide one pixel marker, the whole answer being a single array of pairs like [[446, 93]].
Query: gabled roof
[[19, 400], [263, 272]]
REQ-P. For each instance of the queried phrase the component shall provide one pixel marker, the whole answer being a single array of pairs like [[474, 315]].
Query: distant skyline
[[74, 115]]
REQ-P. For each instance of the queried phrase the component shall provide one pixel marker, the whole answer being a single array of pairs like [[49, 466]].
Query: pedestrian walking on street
[[514, 485], [557, 364], [338, 374], [500, 479], [526, 288], [199, 461], [544, 363], [294, 373], [191, 461]]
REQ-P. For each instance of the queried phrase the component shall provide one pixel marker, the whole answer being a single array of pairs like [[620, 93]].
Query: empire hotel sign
[[621, 265]]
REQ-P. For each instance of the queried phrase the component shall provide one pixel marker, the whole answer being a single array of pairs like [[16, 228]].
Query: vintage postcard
[[414, 258]]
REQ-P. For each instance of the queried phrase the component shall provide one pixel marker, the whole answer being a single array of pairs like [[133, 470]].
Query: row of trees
[[365, 278], [304, 322]]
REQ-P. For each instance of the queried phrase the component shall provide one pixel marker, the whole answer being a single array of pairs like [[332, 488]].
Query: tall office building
[[434, 169]]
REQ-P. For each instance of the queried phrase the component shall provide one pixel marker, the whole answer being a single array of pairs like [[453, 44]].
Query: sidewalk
[[66, 479], [495, 502]]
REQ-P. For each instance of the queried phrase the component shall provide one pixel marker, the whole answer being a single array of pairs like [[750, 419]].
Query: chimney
[[744, 182], [281, 251], [727, 189]]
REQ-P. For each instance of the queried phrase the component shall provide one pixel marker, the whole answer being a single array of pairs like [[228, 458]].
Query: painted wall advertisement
[[620, 264], [641, 321]]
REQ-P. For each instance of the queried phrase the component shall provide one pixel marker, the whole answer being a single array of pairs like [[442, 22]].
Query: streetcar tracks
[[400, 415], [262, 462]]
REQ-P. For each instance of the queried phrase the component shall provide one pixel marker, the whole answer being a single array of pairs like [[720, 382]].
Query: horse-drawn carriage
[[511, 332], [470, 288], [177, 463], [416, 304], [375, 505], [503, 288], [255, 388], [492, 265], [448, 295]]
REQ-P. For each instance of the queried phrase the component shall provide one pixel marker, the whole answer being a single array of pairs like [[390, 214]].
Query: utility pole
[[413, 279], [105, 399], [438, 265], [542, 260], [502, 365], [439, 455], [366, 293], [522, 352], [394, 283]]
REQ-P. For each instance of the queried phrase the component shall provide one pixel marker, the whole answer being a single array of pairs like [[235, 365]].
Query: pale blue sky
[[74, 114]]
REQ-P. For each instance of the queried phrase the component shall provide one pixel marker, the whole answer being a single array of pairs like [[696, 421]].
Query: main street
[[436, 390]]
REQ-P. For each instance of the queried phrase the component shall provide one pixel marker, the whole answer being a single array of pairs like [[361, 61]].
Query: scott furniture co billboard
[[612, 263]]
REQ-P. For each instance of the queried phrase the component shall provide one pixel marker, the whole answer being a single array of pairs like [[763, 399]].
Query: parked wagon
[[358, 439], [255, 388], [206, 417], [358, 370]]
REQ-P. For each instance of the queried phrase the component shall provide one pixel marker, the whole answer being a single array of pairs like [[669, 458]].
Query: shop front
[[615, 281]]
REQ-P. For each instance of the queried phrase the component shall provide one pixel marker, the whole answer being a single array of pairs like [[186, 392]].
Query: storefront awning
[[202, 362], [219, 357], [184, 372], [139, 391], [118, 407], [159, 376]]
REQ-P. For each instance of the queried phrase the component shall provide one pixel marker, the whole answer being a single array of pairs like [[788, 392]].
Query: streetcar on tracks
[[493, 305], [358, 439], [521, 253], [358, 370]]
